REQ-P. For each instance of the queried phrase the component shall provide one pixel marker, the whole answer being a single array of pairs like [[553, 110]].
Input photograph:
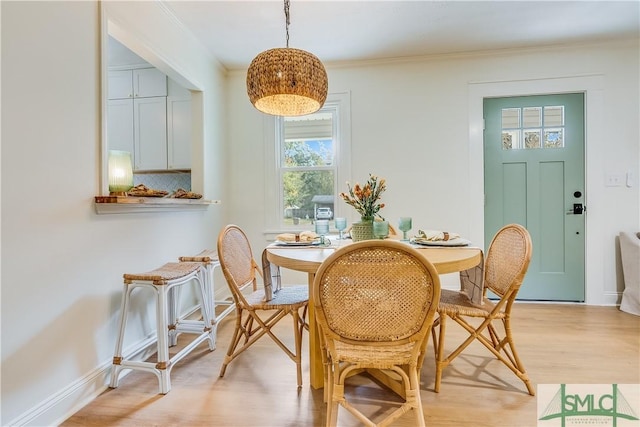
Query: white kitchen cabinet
[[143, 120], [136, 83], [139, 126], [120, 84], [179, 132], [150, 133], [120, 125]]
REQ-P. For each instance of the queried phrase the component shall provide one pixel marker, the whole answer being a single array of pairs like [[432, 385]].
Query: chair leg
[[413, 390], [305, 323], [297, 332], [328, 388], [117, 357], [503, 349], [438, 346], [235, 340], [172, 320], [208, 323], [162, 320], [336, 395], [515, 359]]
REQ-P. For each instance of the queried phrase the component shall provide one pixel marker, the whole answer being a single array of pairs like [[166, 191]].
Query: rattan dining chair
[[255, 317], [374, 301], [505, 266]]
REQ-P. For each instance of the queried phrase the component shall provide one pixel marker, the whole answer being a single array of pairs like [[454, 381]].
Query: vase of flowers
[[366, 200]]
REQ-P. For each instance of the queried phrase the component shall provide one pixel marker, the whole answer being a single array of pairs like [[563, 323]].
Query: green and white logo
[[590, 405]]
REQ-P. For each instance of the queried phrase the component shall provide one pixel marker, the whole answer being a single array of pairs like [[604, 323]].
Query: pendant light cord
[[286, 14]]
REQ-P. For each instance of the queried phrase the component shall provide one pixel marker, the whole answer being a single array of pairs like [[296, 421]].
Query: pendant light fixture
[[287, 81]]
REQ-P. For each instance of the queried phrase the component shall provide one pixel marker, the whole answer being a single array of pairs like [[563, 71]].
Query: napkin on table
[[305, 236], [436, 236]]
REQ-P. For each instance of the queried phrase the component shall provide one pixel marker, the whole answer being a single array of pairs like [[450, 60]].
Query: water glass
[[404, 225], [322, 228], [341, 225], [380, 229]]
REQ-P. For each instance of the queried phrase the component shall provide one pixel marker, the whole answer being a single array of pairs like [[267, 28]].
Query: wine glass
[[380, 229], [341, 225], [404, 225]]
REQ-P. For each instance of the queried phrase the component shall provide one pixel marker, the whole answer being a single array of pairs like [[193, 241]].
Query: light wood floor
[[571, 344]]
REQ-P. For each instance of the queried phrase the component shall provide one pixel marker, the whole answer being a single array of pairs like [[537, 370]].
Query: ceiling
[[345, 31]]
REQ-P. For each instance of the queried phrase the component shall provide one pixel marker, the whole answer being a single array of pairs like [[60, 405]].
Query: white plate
[[281, 243], [452, 242]]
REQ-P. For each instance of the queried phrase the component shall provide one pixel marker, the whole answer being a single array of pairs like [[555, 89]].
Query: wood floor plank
[[558, 343]]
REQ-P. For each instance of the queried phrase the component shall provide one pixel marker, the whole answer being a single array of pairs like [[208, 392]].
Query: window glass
[[554, 138], [308, 168], [307, 164], [510, 118], [532, 138], [554, 116], [531, 117], [526, 127]]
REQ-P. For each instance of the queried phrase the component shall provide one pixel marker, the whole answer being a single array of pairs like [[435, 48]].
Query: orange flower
[[365, 199]]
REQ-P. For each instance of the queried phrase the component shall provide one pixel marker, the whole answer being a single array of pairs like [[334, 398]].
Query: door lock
[[578, 209]]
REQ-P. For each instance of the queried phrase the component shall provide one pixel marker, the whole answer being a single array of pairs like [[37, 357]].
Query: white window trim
[[273, 197]]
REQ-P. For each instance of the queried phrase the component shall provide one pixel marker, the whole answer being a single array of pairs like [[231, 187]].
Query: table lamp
[[120, 171]]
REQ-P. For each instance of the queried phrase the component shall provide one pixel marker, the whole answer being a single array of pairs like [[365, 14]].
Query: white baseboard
[[63, 404]]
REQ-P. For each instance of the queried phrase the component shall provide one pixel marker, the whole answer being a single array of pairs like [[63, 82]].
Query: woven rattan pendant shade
[[287, 81]]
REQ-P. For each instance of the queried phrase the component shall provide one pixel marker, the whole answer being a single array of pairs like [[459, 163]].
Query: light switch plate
[[613, 180]]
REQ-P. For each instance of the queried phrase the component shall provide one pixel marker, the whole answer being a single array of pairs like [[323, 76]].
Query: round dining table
[[308, 260]]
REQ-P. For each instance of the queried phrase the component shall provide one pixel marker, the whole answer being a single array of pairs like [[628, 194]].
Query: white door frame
[[592, 86]]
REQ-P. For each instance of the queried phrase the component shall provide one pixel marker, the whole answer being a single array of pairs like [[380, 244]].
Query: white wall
[[416, 123], [62, 264]]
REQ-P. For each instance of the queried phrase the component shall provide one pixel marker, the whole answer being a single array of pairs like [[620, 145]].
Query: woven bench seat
[[166, 281]]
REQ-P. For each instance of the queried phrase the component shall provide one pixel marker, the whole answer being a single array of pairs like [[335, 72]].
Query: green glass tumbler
[[380, 229]]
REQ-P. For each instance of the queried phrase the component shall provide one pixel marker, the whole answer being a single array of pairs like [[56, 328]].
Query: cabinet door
[[149, 82], [120, 125], [150, 123], [119, 84], [179, 132]]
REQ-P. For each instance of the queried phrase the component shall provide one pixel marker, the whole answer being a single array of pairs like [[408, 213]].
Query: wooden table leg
[[316, 370]]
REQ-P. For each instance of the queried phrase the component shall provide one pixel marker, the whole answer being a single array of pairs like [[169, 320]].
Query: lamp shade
[[287, 82], [120, 171]]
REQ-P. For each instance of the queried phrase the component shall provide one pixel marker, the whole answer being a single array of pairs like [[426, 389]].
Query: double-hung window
[[311, 163]]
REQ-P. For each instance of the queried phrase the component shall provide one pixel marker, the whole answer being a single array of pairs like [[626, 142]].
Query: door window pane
[[525, 128], [510, 118], [554, 138], [554, 116], [532, 139], [510, 140], [531, 117]]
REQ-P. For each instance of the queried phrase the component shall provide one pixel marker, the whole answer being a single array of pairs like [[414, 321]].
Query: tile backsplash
[[168, 181]]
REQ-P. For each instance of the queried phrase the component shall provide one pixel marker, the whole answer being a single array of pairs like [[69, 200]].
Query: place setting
[[439, 239], [307, 239]]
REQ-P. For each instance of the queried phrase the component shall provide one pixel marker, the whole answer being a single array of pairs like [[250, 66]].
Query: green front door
[[534, 176]]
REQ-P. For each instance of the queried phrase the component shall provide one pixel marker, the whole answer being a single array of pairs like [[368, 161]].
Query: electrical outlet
[[613, 180]]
